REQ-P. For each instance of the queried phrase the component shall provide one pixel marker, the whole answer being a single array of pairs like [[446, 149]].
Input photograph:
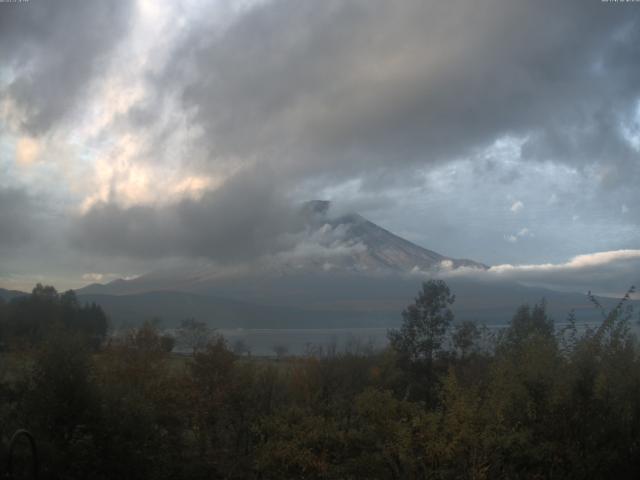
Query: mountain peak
[[316, 207], [344, 243]]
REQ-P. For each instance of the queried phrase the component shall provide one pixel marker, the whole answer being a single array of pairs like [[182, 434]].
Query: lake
[[300, 341]]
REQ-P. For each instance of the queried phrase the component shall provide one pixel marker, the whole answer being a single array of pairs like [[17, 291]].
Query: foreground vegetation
[[445, 400]]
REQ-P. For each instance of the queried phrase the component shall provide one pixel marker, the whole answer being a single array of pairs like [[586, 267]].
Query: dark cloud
[[16, 217], [240, 221], [362, 93], [344, 88], [323, 92], [54, 48]]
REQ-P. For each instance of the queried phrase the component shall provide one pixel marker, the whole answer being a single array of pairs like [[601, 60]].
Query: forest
[[445, 399]]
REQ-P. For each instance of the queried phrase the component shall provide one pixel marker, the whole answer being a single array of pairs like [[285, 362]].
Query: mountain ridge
[[343, 270], [341, 244]]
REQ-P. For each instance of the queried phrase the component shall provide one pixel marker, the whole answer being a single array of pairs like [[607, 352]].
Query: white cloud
[[578, 262], [523, 232], [169, 111], [324, 243], [602, 272], [93, 277], [517, 206], [96, 277]]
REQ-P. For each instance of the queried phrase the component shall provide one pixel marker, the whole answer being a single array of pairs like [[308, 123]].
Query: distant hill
[[331, 302], [172, 307], [338, 303], [8, 295]]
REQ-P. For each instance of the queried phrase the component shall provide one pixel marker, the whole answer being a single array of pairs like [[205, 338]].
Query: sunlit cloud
[[27, 150], [105, 277], [379, 108]]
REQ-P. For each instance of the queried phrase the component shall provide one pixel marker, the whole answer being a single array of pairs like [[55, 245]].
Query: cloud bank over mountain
[[608, 273], [503, 131]]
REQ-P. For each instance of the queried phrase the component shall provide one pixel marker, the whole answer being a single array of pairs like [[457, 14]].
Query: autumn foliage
[[444, 401]]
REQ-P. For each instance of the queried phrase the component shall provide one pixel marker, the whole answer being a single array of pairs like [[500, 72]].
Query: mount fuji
[[338, 270]]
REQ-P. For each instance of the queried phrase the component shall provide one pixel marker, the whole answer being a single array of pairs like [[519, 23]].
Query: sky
[[135, 133]]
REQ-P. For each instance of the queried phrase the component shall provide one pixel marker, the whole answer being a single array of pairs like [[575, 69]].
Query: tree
[[425, 324], [280, 351], [465, 337], [167, 342], [194, 334], [211, 373], [240, 347], [62, 389], [3, 322], [30, 318], [62, 405], [44, 293], [528, 323]]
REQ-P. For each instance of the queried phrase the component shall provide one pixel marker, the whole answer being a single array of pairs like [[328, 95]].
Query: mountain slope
[[343, 270], [328, 245], [8, 295], [368, 302]]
